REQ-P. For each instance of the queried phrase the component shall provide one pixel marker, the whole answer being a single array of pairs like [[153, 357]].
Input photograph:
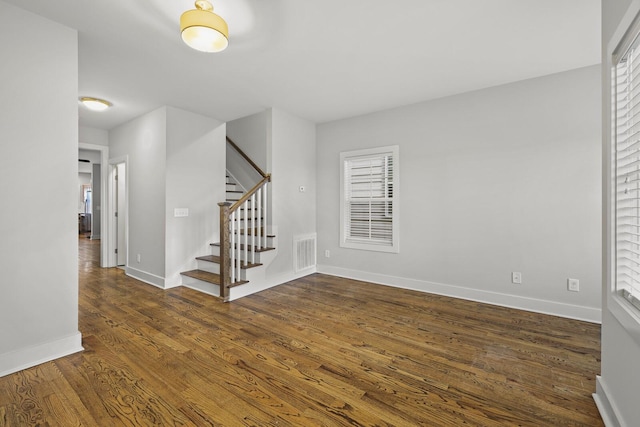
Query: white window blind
[[369, 199], [627, 171]]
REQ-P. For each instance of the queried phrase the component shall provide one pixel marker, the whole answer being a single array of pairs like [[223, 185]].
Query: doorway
[[118, 212], [121, 208], [97, 222]]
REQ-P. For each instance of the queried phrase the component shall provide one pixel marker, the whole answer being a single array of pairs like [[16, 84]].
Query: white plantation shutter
[[627, 171], [369, 199]]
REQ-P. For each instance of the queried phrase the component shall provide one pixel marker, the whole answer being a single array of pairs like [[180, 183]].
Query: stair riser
[[252, 239], [215, 268], [243, 258], [215, 250], [252, 216], [211, 267], [199, 285], [241, 225]]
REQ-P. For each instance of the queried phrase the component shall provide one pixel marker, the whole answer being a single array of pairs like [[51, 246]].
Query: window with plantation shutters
[[369, 199], [626, 164]]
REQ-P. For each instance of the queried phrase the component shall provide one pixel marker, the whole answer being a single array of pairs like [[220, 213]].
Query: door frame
[[104, 174], [111, 211]]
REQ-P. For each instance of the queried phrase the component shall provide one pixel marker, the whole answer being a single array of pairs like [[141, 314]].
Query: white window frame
[[622, 309], [391, 189]]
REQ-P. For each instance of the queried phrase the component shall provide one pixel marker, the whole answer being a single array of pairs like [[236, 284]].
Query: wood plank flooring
[[320, 351]]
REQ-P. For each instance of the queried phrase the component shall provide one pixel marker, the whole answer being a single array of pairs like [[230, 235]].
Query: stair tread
[[242, 247], [206, 276], [203, 275], [247, 265], [210, 258], [216, 259]]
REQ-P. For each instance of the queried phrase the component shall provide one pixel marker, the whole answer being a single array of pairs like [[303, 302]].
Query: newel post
[[225, 250]]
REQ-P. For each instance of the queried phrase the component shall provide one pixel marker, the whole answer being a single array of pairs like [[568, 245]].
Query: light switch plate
[[180, 212]]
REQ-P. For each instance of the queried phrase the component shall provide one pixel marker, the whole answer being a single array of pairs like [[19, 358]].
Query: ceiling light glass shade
[[95, 104], [203, 30]]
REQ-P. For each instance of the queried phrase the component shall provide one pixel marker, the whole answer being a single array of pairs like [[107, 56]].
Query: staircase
[[245, 247]]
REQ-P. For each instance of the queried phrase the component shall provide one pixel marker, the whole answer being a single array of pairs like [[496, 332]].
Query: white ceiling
[[321, 60]]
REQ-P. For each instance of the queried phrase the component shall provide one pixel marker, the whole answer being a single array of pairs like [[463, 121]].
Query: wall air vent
[[304, 252]]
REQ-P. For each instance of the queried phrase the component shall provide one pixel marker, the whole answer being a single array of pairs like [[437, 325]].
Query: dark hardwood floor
[[320, 351]]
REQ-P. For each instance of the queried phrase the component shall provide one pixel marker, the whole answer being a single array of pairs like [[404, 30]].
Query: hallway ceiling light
[[203, 30], [95, 104]]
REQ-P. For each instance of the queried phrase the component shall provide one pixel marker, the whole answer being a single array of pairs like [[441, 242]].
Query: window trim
[[622, 310], [394, 150]]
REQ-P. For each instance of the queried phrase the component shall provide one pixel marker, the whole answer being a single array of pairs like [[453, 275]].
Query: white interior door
[[121, 214]]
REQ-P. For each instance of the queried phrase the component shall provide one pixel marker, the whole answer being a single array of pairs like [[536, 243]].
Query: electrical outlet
[[138, 258], [516, 277], [573, 285], [327, 254]]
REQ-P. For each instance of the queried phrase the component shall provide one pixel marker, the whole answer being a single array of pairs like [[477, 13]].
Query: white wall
[[293, 151], [195, 180], [38, 162], [493, 181], [91, 155], [89, 135], [619, 384], [252, 135], [143, 142], [175, 159]]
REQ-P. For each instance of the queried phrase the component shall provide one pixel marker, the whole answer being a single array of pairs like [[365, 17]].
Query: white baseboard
[[587, 314], [606, 407], [269, 282], [174, 280], [145, 277], [18, 360]]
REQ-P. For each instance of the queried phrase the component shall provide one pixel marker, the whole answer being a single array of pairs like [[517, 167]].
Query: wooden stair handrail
[[250, 193], [242, 153]]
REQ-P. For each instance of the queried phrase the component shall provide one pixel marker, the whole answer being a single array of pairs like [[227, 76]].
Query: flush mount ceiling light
[[95, 104], [203, 30]]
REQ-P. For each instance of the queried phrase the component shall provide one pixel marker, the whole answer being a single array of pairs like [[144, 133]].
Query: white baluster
[[259, 215], [266, 204], [253, 227], [246, 231], [232, 252]]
